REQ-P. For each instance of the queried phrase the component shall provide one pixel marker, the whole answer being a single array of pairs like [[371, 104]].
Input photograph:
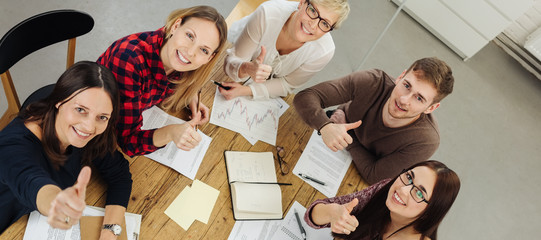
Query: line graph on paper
[[257, 119]]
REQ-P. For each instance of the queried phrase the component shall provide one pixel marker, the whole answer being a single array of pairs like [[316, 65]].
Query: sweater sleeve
[[115, 171], [246, 44], [21, 171], [284, 85], [374, 169], [364, 196], [310, 102]]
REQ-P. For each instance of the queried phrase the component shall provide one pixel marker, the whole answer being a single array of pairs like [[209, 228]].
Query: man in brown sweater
[[385, 124]]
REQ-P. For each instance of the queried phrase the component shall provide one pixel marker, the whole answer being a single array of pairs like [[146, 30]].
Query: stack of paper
[[193, 203], [285, 229], [37, 227], [324, 165], [185, 162], [255, 120]]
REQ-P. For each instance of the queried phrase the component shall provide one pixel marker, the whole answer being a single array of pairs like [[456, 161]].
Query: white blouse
[[289, 71]]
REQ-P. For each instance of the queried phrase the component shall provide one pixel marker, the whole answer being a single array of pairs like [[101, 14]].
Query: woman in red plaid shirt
[[168, 67]]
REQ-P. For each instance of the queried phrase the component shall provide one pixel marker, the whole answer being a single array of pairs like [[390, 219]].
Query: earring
[[169, 36]]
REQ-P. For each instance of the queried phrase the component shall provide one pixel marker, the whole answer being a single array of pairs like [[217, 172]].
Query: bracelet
[[327, 123]]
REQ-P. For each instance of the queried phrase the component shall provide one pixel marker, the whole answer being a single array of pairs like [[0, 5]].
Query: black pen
[[262, 183], [220, 85], [303, 233], [311, 179]]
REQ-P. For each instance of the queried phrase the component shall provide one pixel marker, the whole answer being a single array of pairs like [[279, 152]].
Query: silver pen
[[303, 232], [312, 179]]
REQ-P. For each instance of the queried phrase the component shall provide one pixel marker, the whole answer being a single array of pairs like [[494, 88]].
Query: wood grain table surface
[[155, 186]]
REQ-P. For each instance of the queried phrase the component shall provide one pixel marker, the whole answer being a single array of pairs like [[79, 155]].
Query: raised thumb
[[261, 56], [350, 205], [82, 181], [354, 125]]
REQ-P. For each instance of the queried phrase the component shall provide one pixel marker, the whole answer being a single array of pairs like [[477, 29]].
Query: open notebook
[[255, 193]]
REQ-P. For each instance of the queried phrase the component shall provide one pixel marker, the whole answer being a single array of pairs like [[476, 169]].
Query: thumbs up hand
[[336, 136], [341, 220], [68, 205], [258, 71]]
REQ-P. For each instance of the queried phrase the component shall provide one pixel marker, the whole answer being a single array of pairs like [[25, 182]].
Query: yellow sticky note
[[177, 209], [193, 203], [205, 198]]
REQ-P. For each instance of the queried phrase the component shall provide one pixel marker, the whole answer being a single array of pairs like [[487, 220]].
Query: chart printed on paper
[[257, 119]]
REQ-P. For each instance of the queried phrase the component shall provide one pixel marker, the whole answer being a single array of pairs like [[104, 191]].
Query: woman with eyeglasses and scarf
[[410, 206]]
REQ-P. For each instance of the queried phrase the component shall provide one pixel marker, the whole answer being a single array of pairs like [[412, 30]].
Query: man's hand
[[336, 136]]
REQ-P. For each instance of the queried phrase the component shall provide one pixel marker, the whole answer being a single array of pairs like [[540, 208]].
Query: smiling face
[[303, 28], [401, 203], [409, 98], [192, 44], [83, 117]]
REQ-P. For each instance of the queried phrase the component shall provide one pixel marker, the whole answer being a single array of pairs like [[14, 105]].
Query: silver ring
[[67, 219]]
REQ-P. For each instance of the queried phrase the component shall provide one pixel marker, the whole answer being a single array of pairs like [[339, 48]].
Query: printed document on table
[[282, 106], [185, 162], [252, 119], [321, 163], [284, 229], [37, 227]]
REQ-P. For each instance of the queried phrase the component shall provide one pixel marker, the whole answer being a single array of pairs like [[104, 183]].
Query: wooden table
[[155, 186]]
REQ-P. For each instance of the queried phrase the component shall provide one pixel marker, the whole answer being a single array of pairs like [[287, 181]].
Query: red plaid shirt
[[135, 62]]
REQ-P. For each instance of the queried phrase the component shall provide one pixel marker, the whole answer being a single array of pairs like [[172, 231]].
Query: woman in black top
[[48, 148]]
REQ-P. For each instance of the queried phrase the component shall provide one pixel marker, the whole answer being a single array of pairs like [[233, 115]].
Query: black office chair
[[33, 34]]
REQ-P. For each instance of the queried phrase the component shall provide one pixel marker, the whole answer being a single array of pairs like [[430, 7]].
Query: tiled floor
[[490, 130]]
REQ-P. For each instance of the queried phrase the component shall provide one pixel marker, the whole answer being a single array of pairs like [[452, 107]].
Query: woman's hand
[[336, 136], [68, 205], [258, 71], [184, 135], [236, 90], [202, 116], [341, 219]]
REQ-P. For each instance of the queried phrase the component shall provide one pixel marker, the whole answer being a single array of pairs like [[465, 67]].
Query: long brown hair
[[375, 216], [79, 77], [190, 83]]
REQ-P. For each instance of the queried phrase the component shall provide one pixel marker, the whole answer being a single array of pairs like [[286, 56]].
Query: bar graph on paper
[[257, 119]]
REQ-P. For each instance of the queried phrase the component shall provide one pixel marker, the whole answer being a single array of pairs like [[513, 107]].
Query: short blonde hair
[[340, 7], [190, 82]]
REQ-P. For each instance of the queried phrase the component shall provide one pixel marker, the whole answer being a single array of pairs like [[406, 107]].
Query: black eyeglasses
[[280, 155], [416, 193], [312, 12]]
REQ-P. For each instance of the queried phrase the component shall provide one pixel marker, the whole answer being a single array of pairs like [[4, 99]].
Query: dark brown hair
[[79, 77], [192, 81], [375, 216], [436, 72]]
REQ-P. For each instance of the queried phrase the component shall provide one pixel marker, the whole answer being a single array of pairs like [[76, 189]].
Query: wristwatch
[[115, 228]]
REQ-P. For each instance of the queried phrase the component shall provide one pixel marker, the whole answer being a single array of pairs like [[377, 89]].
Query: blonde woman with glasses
[[280, 46]]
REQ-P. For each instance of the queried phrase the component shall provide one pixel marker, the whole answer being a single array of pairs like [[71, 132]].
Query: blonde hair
[[340, 7], [190, 82]]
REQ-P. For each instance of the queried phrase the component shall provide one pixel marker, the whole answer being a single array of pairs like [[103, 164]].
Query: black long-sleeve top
[[25, 169]]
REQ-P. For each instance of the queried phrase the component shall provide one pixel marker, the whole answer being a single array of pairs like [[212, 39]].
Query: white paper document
[[252, 119], [282, 106], [321, 163], [285, 229], [185, 162], [37, 227]]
